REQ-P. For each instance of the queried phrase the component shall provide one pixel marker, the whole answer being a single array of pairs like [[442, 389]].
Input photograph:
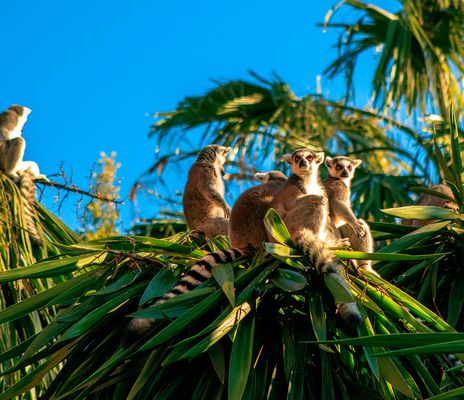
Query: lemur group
[[318, 216], [24, 173]]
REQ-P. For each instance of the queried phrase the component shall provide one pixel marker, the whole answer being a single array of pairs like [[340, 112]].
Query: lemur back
[[204, 206]]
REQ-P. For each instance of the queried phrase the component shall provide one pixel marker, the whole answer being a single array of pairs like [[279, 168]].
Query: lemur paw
[[360, 229], [338, 243], [227, 212]]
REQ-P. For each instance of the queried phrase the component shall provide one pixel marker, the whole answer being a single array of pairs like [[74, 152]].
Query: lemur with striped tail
[[303, 205]]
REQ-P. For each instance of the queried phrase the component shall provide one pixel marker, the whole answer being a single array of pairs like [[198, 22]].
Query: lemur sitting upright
[[338, 187], [204, 206], [12, 145]]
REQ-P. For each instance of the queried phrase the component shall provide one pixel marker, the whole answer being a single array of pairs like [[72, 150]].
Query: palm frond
[[420, 50]]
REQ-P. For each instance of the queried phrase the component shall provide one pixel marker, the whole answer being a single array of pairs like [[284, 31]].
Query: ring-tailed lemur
[[204, 206], [12, 145], [338, 187], [307, 219]]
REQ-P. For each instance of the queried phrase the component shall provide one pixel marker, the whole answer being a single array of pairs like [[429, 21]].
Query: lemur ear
[[226, 150], [287, 158], [357, 163], [329, 162], [319, 157], [262, 176]]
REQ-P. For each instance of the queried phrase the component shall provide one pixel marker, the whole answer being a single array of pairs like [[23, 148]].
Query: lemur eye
[[309, 158], [338, 167], [297, 158]]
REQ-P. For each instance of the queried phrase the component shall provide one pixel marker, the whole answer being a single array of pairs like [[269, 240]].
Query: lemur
[[306, 216], [338, 187], [12, 145], [204, 206]]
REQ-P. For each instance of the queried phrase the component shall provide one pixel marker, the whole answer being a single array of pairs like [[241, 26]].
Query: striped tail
[[198, 273], [29, 194], [322, 258]]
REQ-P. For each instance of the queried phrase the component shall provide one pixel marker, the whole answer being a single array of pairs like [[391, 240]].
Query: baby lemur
[[204, 206], [338, 187]]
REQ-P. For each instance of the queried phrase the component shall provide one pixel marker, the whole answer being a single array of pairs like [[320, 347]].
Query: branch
[[75, 189]]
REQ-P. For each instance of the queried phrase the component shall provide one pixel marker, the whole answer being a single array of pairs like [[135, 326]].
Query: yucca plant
[[250, 332], [17, 251], [439, 283]]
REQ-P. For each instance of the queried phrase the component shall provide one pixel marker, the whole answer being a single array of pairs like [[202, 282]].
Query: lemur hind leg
[[214, 226], [309, 213], [365, 244]]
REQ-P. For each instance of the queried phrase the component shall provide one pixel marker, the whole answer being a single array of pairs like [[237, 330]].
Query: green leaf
[[454, 394], [224, 275], [289, 280], [235, 316], [423, 213], [339, 288], [216, 355], [276, 228], [456, 298], [160, 284], [240, 358], [318, 315], [398, 339], [43, 269], [359, 255], [280, 250], [45, 298], [98, 314], [176, 306]]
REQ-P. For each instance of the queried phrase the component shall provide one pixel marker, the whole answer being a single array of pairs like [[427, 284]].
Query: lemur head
[[265, 177], [304, 162], [342, 167], [214, 154], [20, 110]]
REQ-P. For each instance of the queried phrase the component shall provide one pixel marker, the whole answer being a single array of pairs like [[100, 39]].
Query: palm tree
[[420, 47]]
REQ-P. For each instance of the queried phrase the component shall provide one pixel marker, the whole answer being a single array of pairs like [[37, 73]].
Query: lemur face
[[304, 162], [20, 110], [342, 167], [221, 153]]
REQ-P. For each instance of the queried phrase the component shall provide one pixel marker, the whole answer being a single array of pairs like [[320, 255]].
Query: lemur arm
[[343, 211]]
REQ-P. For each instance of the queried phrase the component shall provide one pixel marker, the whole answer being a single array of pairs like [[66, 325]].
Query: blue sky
[[94, 72]]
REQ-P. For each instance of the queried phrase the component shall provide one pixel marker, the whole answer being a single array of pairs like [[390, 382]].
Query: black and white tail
[[29, 194], [198, 273], [323, 259]]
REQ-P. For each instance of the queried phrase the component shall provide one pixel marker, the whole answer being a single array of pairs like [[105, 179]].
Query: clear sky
[[94, 72]]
